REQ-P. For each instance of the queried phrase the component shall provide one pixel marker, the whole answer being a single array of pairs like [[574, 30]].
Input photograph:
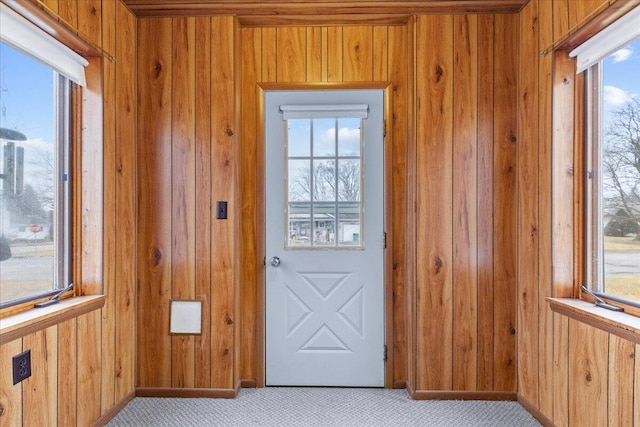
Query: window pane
[[299, 180], [349, 137], [324, 180], [28, 168], [324, 225], [620, 172], [349, 180], [299, 225], [324, 137], [299, 137], [349, 227]]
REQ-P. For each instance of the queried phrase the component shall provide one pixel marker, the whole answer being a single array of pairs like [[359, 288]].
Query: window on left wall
[[35, 160]]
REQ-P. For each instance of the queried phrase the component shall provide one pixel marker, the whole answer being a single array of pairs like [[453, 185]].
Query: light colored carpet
[[343, 407]]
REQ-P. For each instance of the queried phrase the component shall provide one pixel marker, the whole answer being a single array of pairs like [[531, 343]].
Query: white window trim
[[23, 35], [324, 111]]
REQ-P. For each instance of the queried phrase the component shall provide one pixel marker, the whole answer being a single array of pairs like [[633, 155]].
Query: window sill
[[27, 322], [623, 325]]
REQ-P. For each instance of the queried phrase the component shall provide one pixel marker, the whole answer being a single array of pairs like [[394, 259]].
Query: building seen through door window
[[324, 181], [612, 180]]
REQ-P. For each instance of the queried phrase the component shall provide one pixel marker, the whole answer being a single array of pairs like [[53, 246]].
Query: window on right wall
[[612, 160]]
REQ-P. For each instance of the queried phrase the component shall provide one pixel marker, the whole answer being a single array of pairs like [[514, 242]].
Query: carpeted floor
[[300, 407]]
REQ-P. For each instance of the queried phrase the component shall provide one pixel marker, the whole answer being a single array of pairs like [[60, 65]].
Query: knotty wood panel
[[314, 54], [486, 24], [588, 353], [40, 389], [545, 210], [290, 51], [465, 203], [223, 243], [203, 105], [398, 52], [434, 97], [527, 229], [10, 396], [89, 20], [183, 184], [621, 369], [580, 10], [154, 202], [67, 363], [109, 215], [454, 283], [126, 202], [357, 55], [88, 369]]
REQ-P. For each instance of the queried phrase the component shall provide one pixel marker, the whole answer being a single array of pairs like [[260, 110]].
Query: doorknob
[[275, 261]]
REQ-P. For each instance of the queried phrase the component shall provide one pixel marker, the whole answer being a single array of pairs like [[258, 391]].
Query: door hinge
[[264, 260], [385, 240], [385, 353], [384, 128]]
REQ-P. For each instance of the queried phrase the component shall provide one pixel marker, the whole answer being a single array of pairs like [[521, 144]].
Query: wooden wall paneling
[[410, 228], [314, 54], [588, 374], [269, 49], [636, 388], [291, 54], [223, 169], [357, 53], [398, 64], [324, 54], [505, 147], [39, 391], [205, 205], [621, 378], [67, 390], [250, 262], [52, 5], [238, 257], [11, 400], [90, 184], [334, 54], [434, 228], [380, 45], [560, 19], [89, 20], [68, 10], [563, 238], [88, 369], [109, 213], [580, 10], [485, 186], [183, 207], [154, 202], [560, 414], [528, 222], [126, 202], [545, 189], [577, 172], [465, 203]]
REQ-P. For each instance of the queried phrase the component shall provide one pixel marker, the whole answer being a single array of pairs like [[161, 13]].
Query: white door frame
[[388, 197]]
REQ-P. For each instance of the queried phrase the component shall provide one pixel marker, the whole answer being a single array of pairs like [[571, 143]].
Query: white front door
[[324, 238]]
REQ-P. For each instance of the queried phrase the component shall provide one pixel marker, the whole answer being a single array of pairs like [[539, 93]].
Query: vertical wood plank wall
[[185, 165], [84, 367], [465, 175], [572, 373]]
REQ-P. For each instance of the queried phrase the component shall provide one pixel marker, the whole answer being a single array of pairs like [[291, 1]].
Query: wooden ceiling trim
[[321, 20], [253, 8]]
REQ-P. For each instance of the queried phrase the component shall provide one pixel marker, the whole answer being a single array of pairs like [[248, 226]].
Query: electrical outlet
[[21, 366]]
